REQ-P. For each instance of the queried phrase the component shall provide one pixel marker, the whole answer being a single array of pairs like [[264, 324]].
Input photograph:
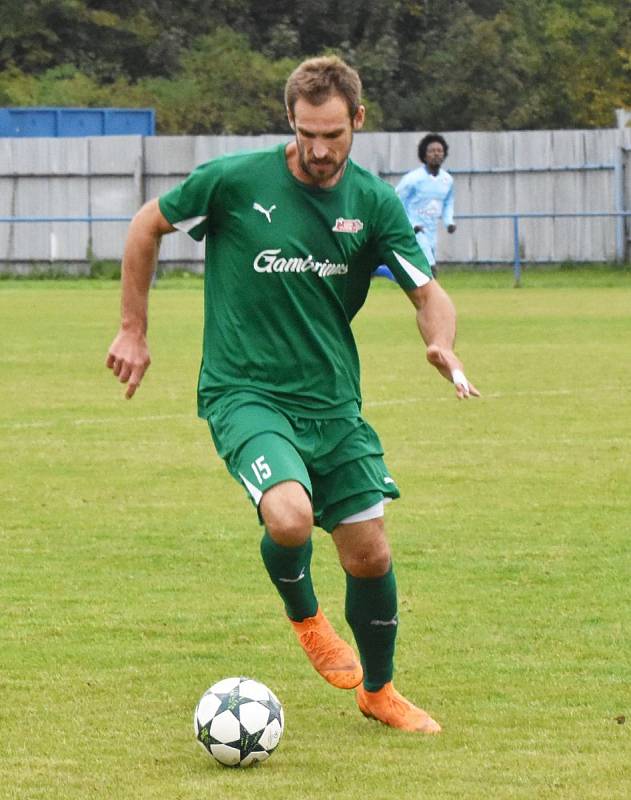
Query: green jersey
[[287, 267]]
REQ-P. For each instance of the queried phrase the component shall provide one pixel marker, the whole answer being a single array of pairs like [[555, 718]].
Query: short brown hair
[[316, 79]]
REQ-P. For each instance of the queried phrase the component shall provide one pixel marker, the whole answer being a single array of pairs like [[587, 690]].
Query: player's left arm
[[396, 246], [448, 210], [436, 320]]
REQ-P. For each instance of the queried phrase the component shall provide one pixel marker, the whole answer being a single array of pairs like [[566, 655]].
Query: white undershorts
[[368, 513]]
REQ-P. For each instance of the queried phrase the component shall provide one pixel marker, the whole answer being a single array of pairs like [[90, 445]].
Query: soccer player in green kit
[[292, 236]]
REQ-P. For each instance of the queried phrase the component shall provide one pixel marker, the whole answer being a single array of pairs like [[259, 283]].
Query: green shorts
[[338, 461]]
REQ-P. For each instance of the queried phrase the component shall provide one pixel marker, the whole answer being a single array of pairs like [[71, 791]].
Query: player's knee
[[368, 562], [291, 529], [288, 517]]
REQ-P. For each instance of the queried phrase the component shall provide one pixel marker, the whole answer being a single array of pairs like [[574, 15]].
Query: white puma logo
[[302, 571], [394, 621], [267, 212]]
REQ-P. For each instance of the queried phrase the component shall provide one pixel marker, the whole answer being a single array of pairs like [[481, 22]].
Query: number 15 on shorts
[[261, 469]]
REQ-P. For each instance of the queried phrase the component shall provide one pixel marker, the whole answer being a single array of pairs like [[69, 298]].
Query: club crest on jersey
[[348, 225]]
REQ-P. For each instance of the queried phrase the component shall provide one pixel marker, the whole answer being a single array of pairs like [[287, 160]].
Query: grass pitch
[[131, 579]]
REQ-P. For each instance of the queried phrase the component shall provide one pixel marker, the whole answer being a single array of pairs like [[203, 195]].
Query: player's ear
[[358, 119], [290, 118]]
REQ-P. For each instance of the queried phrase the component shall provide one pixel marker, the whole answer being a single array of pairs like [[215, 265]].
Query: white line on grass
[[398, 401], [96, 421], [490, 396]]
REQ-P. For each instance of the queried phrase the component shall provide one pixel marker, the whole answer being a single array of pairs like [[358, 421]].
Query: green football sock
[[371, 612], [290, 571]]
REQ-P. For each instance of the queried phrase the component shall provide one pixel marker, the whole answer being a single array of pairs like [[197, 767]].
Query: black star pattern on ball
[[229, 701], [249, 742], [274, 709]]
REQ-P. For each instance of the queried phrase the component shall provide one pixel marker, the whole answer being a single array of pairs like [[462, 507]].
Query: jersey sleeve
[[188, 206], [398, 248]]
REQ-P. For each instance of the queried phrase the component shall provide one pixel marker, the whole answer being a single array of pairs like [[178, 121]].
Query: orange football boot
[[332, 657], [391, 708]]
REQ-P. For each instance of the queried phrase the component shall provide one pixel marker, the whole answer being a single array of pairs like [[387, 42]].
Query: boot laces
[[325, 649]]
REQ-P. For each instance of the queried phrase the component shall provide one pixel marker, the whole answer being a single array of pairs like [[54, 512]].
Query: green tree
[[585, 49], [224, 87], [220, 65]]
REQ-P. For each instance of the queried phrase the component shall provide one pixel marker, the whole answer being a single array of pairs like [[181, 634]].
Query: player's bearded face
[[324, 136], [322, 167]]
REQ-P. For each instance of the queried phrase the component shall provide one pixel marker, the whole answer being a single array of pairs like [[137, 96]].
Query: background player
[[292, 235], [427, 193]]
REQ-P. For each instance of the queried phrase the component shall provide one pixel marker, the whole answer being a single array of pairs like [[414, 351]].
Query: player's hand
[[450, 367], [128, 358], [451, 228]]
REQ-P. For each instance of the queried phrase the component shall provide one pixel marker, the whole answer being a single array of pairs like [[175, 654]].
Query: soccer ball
[[239, 721]]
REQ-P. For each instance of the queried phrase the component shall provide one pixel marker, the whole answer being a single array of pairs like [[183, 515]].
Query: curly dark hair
[[427, 140]]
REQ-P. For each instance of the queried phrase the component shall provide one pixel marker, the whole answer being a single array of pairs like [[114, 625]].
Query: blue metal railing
[[514, 216], [616, 167]]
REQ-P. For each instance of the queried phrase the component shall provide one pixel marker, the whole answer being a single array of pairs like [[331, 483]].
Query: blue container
[[52, 122]]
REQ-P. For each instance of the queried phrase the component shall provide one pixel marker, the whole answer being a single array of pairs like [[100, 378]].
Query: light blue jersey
[[427, 198]]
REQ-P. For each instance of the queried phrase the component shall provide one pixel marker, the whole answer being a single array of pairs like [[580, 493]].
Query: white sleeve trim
[[187, 225], [419, 278]]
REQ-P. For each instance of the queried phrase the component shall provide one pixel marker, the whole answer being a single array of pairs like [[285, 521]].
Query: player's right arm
[[405, 189], [128, 356]]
